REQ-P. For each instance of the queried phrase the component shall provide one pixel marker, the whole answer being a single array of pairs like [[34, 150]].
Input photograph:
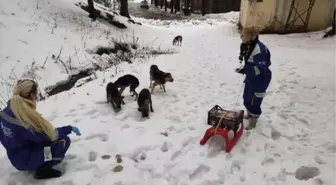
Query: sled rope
[[238, 95], [220, 120]]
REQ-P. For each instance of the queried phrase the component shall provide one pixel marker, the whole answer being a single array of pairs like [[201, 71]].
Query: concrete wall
[[271, 15], [257, 14]]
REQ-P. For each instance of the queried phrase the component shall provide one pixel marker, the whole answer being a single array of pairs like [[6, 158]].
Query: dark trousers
[[58, 150], [253, 97]]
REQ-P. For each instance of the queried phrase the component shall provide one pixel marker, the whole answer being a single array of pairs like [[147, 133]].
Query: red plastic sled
[[226, 120]]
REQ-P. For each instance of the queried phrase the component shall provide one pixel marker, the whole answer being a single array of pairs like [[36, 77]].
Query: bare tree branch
[[59, 54], [45, 61]]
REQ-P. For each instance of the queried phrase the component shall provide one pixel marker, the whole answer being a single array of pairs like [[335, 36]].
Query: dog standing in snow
[[114, 97], [145, 102], [128, 80], [177, 40], [159, 77]]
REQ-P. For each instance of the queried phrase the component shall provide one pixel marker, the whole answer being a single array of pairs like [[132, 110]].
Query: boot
[[252, 123], [47, 172], [247, 116]]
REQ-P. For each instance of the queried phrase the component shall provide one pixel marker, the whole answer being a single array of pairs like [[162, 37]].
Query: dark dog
[[177, 40], [159, 77], [145, 102], [128, 80], [114, 97]]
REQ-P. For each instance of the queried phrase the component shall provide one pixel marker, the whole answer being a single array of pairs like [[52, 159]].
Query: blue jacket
[[25, 147], [256, 68]]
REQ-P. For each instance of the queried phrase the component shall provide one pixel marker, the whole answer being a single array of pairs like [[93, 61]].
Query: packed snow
[[294, 142]]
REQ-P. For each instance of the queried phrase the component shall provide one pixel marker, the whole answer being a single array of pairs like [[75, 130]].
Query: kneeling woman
[[32, 143]]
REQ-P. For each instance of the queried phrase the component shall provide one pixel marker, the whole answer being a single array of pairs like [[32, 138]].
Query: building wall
[[271, 15], [257, 14], [321, 16]]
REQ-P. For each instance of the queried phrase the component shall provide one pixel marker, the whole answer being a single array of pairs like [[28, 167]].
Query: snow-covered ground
[[294, 138]]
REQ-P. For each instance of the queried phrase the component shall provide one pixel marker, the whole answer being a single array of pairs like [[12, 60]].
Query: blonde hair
[[23, 105], [250, 32]]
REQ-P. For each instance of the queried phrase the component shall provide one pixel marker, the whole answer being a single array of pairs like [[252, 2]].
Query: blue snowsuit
[[257, 59], [28, 150]]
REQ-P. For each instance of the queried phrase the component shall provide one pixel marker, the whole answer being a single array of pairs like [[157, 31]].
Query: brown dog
[[159, 77]]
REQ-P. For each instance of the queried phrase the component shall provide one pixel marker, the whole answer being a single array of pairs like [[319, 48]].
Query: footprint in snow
[[199, 171], [303, 121], [70, 157], [175, 118], [318, 181], [85, 167], [216, 146], [77, 120], [275, 134], [102, 137], [235, 167], [54, 114], [267, 161], [81, 105], [93, 156], [67, 183], [306, 173], [91, 112], [164, 147], [94, 116], [71, 115], [140, 157]]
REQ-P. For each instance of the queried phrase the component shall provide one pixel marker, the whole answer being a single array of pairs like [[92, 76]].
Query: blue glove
[[76, 130]]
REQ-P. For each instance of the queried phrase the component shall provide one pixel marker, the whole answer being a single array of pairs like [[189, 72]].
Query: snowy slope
[[295, 130]]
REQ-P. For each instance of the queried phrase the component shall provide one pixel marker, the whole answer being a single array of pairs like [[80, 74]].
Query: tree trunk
[[92, 12], [177, 6], [172, 6], [192, 5], [203, 7], [124, 8], [166, 4], [155, 3], [333, 24]]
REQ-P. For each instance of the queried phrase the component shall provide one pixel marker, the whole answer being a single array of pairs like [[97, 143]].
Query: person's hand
[[76, 130], [239, 70]]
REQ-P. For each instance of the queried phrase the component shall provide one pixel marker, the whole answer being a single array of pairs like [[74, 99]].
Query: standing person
[[257, 60], [31, 142]]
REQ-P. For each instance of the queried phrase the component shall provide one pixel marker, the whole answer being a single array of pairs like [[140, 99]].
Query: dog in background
[[177, 40], [145, 102], [114, 97], [128, 80], [159, 77]]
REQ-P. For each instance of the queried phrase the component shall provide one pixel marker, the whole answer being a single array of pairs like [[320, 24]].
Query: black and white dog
[[177, 40]]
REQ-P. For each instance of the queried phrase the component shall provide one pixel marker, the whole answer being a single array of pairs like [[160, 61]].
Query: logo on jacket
[[7, 131]]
